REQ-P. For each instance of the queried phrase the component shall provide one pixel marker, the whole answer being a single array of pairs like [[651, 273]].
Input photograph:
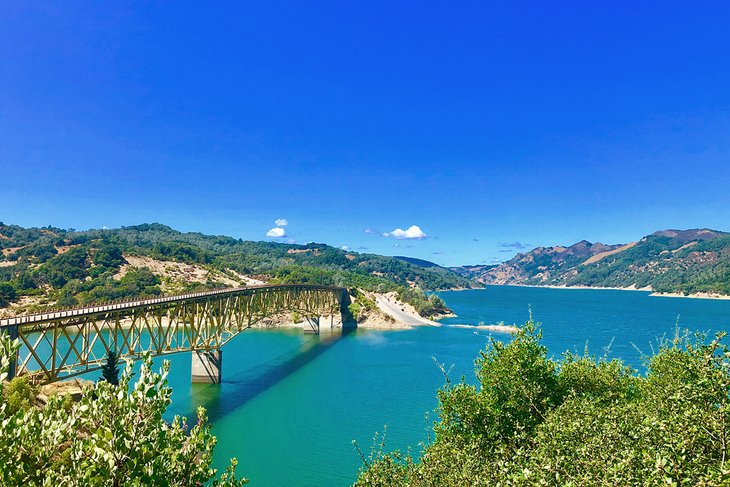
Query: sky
[[457, 132]]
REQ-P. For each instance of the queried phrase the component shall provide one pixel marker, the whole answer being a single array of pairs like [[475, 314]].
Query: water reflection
[[237, 389]]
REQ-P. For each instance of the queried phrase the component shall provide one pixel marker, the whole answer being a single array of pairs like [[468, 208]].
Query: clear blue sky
[[489, 125]]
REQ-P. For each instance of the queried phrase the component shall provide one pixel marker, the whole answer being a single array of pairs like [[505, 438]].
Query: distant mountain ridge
[[415, 261], [668, 261]]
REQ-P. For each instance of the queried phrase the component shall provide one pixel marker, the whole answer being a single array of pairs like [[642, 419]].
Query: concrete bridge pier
[[207, 366]]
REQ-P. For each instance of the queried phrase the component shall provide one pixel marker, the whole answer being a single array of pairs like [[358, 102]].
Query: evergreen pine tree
[[110, 370]]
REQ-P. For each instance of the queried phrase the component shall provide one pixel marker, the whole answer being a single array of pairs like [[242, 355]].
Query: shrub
[[113, 436], [19, 394], [533, 420]]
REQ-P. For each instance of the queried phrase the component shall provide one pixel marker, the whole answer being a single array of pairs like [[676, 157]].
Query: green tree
[[66, 297], [109, 256], [110, 369], [7, 293]]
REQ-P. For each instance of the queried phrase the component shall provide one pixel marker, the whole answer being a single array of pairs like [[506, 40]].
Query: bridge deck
[[138, 303]]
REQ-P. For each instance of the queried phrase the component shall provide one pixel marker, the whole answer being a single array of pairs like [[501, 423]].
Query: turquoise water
[[290, 404]]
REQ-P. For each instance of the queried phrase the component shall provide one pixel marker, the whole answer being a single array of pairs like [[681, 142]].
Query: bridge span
[[57, 345]]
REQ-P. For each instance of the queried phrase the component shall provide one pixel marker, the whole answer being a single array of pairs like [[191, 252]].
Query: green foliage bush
[[37, 252], [579, 421], [7, 293], [425, 305], [108, 256], [355, 309], [62, 268], [19, 394], [115, 435], [136, 282]]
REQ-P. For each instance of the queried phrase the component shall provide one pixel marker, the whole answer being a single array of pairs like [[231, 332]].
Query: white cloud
[[413, 232], [281, 222], [345, 248], [276, 232]]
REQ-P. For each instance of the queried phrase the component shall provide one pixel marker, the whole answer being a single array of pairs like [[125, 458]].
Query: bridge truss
[[64, 344]]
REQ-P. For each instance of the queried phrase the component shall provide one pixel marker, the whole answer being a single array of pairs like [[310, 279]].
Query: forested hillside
[[669, 261], [56, 267]]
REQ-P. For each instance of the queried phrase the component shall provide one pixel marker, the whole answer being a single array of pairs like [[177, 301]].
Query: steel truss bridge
[[63, 344]]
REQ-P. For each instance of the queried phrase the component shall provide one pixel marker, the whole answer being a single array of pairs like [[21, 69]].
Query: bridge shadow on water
[[237, 390]]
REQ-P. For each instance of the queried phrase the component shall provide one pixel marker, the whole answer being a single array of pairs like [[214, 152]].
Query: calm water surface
[[291, 405]]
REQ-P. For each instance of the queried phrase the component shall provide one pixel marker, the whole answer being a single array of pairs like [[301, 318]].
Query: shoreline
[[720, 297], [597, 288], [495, 328], [647, 289]]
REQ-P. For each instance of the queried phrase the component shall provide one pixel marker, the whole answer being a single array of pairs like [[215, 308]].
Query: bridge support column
[[207, 366]]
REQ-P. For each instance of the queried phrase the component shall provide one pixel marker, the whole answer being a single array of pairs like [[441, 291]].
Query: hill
[[472, 271], [44, 267], [418, 262], [667, 261]]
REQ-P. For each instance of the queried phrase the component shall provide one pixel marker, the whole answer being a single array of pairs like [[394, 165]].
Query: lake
[[290, 405]]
